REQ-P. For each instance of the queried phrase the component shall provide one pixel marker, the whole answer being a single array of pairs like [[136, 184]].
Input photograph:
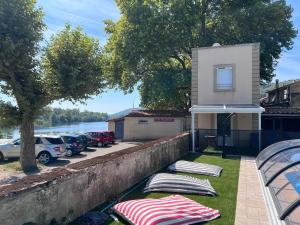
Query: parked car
[[111, 136], [74, 144], [100, 139], [87, 140], [47, 148]]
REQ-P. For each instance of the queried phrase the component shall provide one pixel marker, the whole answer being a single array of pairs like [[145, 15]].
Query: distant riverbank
[[66, 128]]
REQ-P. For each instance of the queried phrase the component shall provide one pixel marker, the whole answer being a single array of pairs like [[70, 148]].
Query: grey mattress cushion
[[197, 168], [171, 183]]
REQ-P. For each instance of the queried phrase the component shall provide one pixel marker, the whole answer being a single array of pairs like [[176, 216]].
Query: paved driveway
[[92, 153], [8, 172]]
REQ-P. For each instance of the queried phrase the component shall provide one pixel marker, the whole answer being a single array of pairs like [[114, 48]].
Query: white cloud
[[89, 14]]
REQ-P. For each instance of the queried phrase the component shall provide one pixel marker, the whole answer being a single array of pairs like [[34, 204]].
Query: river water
[[68, 128]]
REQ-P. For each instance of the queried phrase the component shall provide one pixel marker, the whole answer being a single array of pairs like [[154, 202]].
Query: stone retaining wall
[[66, 193]]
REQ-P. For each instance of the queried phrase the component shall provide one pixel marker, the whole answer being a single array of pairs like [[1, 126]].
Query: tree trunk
[[27, 158]]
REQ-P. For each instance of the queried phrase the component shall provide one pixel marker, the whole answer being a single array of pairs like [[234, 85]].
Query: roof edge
[[228, 46]]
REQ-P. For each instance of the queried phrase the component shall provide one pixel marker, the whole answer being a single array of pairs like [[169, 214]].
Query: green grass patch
[[213, 150], [226, 186], [15, 166], [11, 166]]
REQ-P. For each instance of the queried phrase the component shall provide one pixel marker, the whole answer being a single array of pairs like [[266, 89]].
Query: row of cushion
[[171, 210], [197, 168], [174, 209], [164, 182]]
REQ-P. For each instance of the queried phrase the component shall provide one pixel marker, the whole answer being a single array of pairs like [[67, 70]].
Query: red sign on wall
[[163, 119]]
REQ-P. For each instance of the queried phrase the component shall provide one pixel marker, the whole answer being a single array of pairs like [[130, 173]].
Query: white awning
[[228, 108]]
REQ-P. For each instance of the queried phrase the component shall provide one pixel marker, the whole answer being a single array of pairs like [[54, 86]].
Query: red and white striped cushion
[[171, 210]]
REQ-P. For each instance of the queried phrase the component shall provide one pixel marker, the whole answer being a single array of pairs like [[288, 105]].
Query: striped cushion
[[172, 183], [197, 168], [170, 210]]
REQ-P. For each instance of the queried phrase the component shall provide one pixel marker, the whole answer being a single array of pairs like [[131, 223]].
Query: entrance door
[[119, 129], [224, 128]]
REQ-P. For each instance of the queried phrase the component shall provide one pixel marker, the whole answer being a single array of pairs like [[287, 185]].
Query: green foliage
[[57, 116], [151, 33], [9, 115], [166, 89], [21, 29], [69, 69], [72, 65]]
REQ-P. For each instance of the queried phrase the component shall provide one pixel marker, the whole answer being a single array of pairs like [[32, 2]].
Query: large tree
[[151, 35], [68, 68]]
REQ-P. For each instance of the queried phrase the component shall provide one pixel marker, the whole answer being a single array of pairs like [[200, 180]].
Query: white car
[[47, 148]]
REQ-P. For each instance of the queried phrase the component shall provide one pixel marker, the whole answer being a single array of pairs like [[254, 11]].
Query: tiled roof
[[282, 110], [284, 85], [156, 113], [146, 113]]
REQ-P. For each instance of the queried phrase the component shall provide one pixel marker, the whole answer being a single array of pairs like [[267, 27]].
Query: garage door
[[119, 129]]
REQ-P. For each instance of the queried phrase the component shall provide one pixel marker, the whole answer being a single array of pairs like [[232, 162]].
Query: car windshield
[[69, 139], [16, 142], [88, 136], [55, 141]]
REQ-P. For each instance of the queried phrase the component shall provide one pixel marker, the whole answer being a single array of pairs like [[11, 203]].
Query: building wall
[[245, 60], [205, 121], [256, 74], [242, 121], [60, 196], [134, 129], [295, 94], [195, 77], [111, 125]]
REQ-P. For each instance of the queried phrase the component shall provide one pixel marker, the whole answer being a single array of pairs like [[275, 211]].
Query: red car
[[99, 138], [111, 136]]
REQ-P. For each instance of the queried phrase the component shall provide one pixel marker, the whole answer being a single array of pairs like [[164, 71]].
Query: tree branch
[[180, 60]]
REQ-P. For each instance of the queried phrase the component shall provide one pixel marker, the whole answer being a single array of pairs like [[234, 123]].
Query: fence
[[240, 142]]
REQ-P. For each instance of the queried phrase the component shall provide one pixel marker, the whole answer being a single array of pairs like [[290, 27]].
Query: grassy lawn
[[225, 185]]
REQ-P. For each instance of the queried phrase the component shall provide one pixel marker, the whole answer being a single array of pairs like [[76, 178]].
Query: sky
[[90, 14], [289, 63]]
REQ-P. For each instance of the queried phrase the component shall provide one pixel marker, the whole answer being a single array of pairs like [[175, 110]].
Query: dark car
[[87, 140], [111, 136], [74, 144], [99, 138]]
